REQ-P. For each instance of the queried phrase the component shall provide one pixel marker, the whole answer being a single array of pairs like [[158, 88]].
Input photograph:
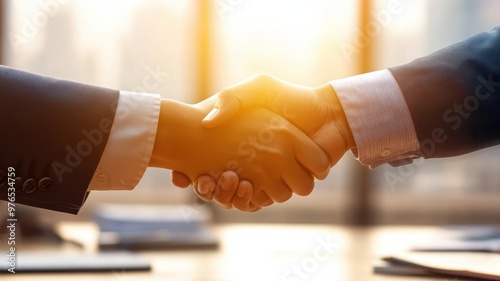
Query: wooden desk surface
[[271, 252]]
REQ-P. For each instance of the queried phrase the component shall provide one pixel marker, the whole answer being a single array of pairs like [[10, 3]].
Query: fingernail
[[205, 187], [242, 192], [224, 183], [211, 115]]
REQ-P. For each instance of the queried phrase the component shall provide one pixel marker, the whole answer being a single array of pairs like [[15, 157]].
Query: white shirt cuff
[[130, 143], [379, 119]]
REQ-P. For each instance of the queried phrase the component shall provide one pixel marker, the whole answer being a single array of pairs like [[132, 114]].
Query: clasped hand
[[258, 145], [316, 112]]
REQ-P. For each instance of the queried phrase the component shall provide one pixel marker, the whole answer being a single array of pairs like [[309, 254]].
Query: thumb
[[259, 89], [225, 107], [180, 180]]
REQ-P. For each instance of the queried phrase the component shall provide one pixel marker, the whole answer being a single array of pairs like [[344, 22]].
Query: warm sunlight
[[269, 140], [286, 38]]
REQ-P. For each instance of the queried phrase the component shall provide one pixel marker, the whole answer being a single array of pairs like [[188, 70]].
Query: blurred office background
[[193, 48]]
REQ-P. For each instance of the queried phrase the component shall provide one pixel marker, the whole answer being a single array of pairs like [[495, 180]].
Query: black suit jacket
[[454, 96], [53, 133]]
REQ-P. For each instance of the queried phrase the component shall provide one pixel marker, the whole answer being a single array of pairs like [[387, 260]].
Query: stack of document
[[481, 266], [475, 254], [148, 226]]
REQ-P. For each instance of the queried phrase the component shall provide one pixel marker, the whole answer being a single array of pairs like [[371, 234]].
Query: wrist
[[158, 156], [173, 126], [330, 97]]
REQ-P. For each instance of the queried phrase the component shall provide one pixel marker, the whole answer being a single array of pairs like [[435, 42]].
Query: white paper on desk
[[478, 265]]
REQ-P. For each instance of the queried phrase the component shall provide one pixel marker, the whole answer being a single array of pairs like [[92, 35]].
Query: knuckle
[[225, 93], [263, 77], [265, 80]]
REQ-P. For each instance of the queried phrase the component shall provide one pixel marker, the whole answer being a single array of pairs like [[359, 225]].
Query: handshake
[[254, 143]]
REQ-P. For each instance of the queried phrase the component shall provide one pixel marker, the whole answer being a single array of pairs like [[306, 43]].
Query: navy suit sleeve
[[454, 96], [53, 133]]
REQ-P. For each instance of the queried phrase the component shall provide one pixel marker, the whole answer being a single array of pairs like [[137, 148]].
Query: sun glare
[[282, 37]]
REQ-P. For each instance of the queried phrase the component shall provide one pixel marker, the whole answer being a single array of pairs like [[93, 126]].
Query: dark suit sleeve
[[53, 133], [454, 96]]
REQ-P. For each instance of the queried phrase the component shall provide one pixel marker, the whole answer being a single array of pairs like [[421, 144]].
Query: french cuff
[[379, 119], [130, 143]]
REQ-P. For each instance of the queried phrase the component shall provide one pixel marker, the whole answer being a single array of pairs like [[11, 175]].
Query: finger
[[310, 155], [253, 209], [224, 108], [300, 181], [204, 187], [261, 199], [323, 175], [260, 89], [241, 201], [280, 192], [180, 180], [226, 188]]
